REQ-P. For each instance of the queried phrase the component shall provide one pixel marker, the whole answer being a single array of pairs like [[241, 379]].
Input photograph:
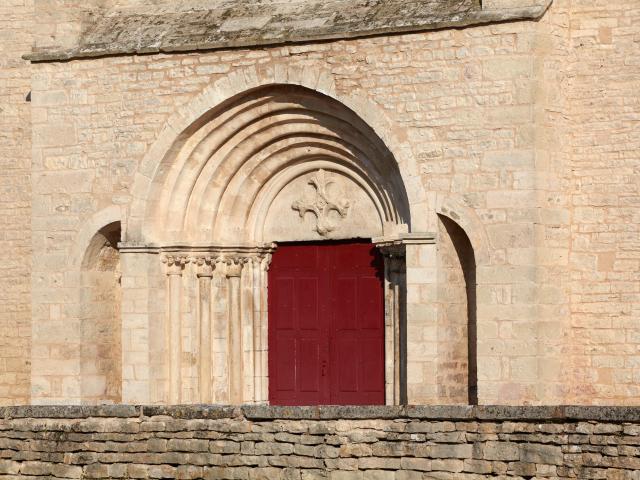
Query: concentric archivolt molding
[[216, 181]]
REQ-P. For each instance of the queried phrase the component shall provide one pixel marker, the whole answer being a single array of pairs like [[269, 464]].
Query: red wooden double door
[[326, 324]]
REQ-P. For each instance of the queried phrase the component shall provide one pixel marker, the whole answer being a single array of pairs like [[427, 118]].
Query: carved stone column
[[174, 267], [249, 320], [205, 265], [395, 323], [247, 327], [235, 266], [261, 332]]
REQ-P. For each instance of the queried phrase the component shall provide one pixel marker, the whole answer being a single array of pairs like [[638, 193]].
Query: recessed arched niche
[[100, 320]]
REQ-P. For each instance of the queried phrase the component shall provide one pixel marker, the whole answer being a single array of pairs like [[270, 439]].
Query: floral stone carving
[[322, 205]]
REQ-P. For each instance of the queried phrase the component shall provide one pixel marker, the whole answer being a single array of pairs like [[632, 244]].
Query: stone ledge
[[487, 413], [265, 412], [188, 412], [70, 411], [255, 24]]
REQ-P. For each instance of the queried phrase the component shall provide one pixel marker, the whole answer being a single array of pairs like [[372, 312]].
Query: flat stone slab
[[70, 411], [239, 23], [489, 413]]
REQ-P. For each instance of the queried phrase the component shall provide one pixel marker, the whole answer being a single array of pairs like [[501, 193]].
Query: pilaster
[[403, 282]]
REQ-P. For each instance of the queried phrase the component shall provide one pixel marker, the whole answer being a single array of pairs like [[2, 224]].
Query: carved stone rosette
[[322, 205]]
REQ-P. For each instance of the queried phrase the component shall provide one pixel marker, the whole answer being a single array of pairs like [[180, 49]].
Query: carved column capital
[[266, 262], [205, 265], [235, 263], [175, 263]]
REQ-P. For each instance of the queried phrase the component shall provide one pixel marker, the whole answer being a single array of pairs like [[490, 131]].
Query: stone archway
[[276, 163]]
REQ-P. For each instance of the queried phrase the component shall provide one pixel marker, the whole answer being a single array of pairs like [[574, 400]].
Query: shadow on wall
[[100, 349], [457, 333]]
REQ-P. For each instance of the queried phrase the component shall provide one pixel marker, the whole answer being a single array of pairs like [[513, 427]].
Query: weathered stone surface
[[38, 411], [521, 132], [260, 412], [191, 411], [448, 412], [602, 414], [544, 454], [502, 451], [84, 446], [231, 24]]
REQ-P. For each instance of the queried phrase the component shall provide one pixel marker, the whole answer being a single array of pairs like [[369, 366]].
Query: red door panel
[[306, 298], [326, 324], [345, 308], [285, 303], [371, 305], [309, 356]]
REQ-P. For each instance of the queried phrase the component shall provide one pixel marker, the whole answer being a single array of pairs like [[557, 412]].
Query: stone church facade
[[158, 159]]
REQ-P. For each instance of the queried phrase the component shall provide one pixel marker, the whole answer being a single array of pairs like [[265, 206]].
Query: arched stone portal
[[274, 164]]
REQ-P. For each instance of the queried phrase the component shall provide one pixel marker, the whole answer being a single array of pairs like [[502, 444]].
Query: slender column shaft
[[205, 273], [264, 330], [175, 281], [175, 265], [257, 332], [220, 338], [397, 356], [249, 320], [234, 270], [394, 266], [390, 340], [399, 281]]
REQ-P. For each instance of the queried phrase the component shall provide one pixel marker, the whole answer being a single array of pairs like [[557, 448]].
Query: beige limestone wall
[[550, 329], [460, 106], [524, 133], [15, 201], [605, 198]]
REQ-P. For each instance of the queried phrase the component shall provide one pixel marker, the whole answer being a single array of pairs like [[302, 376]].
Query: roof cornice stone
[[238, 24]]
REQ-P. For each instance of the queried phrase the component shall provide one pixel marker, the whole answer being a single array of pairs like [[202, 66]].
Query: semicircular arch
[[223, 166], [187, 136], [467, 219]]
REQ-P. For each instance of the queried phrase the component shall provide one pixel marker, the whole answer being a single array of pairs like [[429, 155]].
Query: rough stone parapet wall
[[338, 443]]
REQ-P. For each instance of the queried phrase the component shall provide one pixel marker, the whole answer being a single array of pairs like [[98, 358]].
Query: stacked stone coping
[[335, 443], [495, 413]]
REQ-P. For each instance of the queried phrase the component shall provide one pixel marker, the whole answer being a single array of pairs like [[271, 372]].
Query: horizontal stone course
[[316, 443], [155, 416]]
